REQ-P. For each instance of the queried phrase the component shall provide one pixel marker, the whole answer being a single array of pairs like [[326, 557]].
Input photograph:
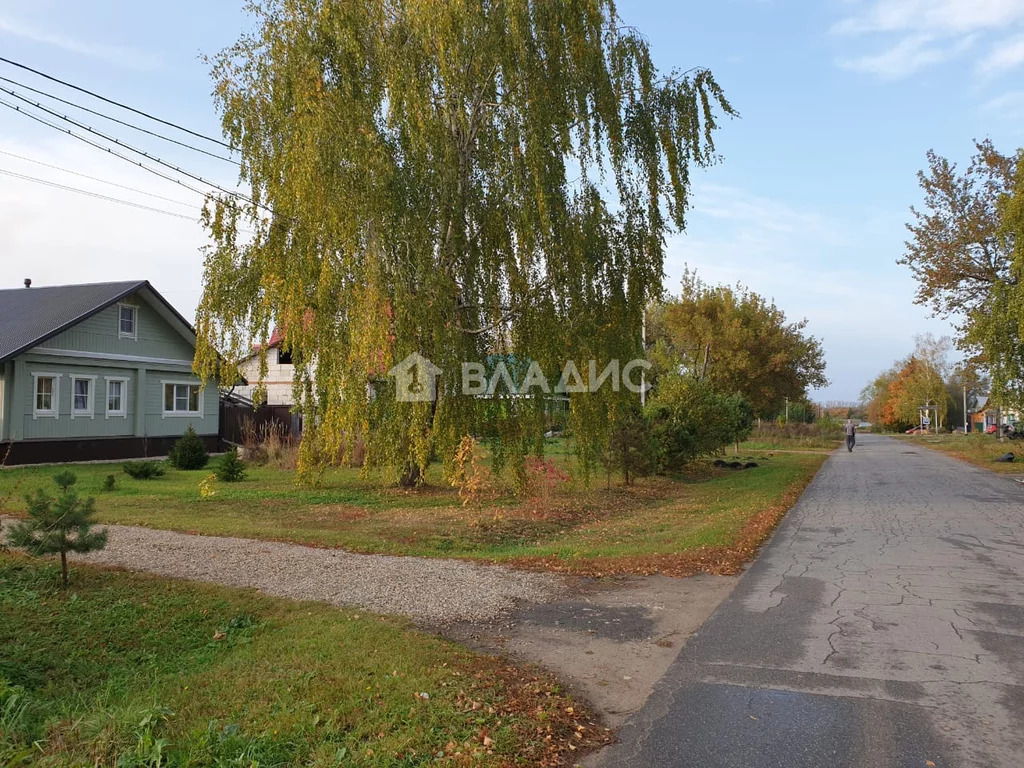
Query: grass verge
[[569, 527], [978, 449], [130, 670]]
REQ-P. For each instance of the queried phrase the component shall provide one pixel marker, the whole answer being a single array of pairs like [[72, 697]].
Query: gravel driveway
[[432, 591]]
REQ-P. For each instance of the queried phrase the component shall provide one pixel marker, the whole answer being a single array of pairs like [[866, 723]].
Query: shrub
[[690, 418], [543, 478], [109, 482], [143, 470], [189, 452], [632, 449], [58, 525], [207, 487], [469, 474], [269, 443], [231, 468]]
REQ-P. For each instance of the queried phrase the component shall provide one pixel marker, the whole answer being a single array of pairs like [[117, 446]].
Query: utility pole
[[643, 343], [965, 409]]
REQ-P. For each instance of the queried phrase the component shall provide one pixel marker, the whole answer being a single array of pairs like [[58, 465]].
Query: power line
[[112, 101], [116, 120], [95, 178], [92, 143], [96, 195], [122, 144]]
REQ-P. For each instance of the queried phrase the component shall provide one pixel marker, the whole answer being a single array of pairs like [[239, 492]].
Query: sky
[[839, 101]]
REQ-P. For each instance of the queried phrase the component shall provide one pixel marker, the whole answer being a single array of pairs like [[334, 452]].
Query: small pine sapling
[[58, 526], [231, 468], [189, 452], [143, 470]]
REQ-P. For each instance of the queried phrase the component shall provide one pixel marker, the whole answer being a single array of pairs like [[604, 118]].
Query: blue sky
[[839, 100]]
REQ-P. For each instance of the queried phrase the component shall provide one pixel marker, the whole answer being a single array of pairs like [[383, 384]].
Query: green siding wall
[[6, 397], [158, 354], [154, 336], [159, 424], [153, 421], [65, 425]]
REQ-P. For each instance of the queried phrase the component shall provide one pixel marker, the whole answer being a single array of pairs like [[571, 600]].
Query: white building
[[280, 371]]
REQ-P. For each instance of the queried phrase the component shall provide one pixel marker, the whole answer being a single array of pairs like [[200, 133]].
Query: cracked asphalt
[[883, 625]]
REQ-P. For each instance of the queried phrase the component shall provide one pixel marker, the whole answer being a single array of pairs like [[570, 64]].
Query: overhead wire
[[95, 178], [113, 102], [92, 143], [97, 195], [123, 145], [116, 120]]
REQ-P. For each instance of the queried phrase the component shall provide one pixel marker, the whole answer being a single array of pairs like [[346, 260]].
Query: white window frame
[[54, 395], [135, 321], [90, 408], [164, 383], [123, 410]]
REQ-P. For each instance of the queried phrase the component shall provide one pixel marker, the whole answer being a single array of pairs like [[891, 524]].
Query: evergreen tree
[[58, 525], [189, 452], [632, 449], [231, 468]]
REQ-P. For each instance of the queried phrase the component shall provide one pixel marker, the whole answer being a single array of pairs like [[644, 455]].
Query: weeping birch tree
[[463, 179]]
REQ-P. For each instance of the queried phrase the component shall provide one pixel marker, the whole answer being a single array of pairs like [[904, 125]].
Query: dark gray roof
[[30, 316]]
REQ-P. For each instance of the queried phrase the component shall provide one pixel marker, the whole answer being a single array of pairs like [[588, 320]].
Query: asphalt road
[[882, 626]]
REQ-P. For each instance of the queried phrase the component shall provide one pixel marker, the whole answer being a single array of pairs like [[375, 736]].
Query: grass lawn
[[568, 528], [975, 448], [794, 437], [129, 670]]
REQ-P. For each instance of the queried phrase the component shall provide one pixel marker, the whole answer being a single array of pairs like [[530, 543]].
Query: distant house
[[280, 371], [986, 414], [97, 371]]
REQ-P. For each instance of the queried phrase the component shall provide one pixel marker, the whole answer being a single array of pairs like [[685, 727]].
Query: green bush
[[143, 470], [109, 482], [690, 418], [231, 468], [189, 452]]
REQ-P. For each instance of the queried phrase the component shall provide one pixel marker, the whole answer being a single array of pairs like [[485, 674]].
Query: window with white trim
[[45, 398], [117, 397], [82, 395], [182, 399], [127, 321]]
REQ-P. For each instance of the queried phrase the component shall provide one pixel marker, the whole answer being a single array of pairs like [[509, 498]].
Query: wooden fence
[[238, 417]]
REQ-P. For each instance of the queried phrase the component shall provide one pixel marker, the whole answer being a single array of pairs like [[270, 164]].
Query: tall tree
[[739, 341], [961, 251], [458, 179], [998, 328]]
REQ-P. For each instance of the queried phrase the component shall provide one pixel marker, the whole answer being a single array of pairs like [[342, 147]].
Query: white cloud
[[755, 213], [1010, 105], [917, 34], [123, 56], [1007, 54], [909, 55], [948, 17]]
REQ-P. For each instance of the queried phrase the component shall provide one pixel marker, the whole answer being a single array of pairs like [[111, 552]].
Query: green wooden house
[[98, 371]]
